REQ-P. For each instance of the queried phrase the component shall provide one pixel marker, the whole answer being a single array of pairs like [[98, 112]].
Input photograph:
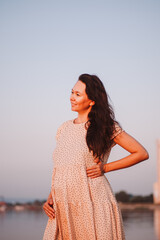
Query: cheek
[[81, 101], [84, 103]]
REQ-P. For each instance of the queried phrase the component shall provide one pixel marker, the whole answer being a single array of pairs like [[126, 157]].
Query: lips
[[73, 104]]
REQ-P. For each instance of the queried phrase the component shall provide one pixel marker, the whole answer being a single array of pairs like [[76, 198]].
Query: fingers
[[94, 171], [94, 175], [92, 168], [50, 212]]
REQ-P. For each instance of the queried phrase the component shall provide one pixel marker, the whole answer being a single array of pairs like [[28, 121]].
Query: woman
[[81, 204]]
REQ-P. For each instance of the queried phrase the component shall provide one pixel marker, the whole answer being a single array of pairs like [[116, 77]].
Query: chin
[[73, 109]]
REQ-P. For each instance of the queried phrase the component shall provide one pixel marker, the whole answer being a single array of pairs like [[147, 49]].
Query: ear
[[92, 103]]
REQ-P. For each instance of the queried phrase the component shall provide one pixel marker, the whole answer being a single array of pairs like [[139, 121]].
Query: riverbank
[[37, 206], [32, 206], [134, 206]]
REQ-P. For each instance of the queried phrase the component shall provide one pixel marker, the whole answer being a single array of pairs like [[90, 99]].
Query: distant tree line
[[122, 196]]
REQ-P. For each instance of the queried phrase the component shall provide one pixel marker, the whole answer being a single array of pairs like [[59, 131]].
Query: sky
[[44, 47]]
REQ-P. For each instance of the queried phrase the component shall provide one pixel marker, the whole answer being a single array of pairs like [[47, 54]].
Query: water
[[26, 225], [30, 225], [142, 224]]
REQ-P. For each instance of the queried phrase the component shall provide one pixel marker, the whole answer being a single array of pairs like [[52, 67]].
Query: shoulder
[[116, 130], [62, 127], [64, 124]]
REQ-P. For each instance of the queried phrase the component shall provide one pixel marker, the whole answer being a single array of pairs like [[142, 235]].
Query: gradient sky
[[44, 47]]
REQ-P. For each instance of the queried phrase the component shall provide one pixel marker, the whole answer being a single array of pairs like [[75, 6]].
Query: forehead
[[79, 87]]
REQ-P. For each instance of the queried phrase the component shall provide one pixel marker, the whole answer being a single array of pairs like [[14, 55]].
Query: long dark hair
[[101, 117]]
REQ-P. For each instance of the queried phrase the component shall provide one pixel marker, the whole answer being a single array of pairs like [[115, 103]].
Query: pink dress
[[86, 208]]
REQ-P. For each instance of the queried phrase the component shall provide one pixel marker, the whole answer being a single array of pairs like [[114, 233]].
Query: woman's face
[[79, 99]]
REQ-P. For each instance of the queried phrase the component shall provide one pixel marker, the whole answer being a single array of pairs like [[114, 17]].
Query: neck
[[82, 117]]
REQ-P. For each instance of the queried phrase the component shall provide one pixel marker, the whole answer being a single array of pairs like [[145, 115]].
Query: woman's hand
[[48, 208], [96, 170]]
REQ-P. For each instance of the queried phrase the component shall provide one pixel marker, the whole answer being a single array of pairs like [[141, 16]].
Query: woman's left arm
[[137, 154]]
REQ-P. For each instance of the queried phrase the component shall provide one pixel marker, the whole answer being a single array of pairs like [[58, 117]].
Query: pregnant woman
[[81, 204]]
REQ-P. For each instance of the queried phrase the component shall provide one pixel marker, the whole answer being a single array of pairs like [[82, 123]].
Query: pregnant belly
[[70, 184]]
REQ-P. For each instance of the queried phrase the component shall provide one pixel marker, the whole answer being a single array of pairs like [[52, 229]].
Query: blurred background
[[44, 47]]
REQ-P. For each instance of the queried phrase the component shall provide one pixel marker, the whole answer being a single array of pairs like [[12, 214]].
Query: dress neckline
[[83, 123]]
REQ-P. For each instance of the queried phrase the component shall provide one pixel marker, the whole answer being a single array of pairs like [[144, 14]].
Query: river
[[30, 225]]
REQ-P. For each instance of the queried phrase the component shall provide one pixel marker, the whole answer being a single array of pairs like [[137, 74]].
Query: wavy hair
[[101, 121]]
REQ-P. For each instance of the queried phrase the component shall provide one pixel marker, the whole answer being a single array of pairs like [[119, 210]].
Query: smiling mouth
[[73, 104]]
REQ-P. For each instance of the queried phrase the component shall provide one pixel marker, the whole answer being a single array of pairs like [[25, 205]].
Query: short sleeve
[[117, 130], [59, 130]]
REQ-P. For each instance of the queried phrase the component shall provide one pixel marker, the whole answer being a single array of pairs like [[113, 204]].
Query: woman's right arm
[[48, 207]]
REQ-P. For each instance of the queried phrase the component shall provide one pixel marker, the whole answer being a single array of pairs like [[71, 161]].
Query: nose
[[72, 98]]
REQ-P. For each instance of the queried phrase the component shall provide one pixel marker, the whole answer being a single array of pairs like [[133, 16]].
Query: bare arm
[[137, 154]]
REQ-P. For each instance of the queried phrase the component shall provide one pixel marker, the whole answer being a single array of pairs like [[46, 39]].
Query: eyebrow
[[75, 91]]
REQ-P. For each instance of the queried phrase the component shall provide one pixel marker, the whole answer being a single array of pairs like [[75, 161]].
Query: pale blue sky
[[44, 47]]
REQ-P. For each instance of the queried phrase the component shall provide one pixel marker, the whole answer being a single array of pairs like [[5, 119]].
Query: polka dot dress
[[86, 208]]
